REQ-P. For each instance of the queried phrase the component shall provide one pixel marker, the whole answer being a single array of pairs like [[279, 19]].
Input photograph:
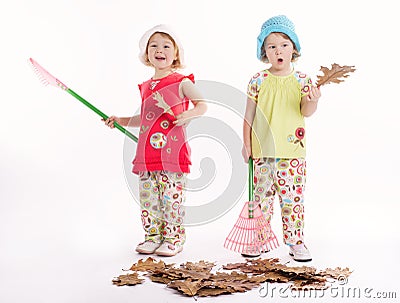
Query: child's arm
[[309, 103], [123, 121], [247, 125], [190, 91]]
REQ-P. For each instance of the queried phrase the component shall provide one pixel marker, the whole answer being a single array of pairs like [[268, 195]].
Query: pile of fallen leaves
[[200, 278]]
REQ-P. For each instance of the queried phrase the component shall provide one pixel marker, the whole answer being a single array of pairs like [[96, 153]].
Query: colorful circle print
[[158, 140], [150, 116], [294, 163], [164, 124], [282, 165]]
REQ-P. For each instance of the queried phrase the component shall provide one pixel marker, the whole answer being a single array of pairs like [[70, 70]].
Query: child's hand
[[314, 94], [184, 118], [110, 121], [246, 153]]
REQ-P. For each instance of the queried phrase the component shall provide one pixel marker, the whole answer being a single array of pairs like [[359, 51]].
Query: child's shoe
[[147, 247], [168, 249], [300, 253]]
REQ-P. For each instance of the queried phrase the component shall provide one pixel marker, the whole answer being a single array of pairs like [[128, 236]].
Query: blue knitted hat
[[277, 24]]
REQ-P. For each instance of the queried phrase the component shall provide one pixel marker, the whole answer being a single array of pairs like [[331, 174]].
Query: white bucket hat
[[162, 28]]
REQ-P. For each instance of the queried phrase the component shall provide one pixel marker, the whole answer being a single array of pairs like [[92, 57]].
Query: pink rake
[[251, 232], [46, 78]]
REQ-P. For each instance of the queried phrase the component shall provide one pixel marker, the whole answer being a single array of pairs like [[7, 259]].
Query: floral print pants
[[161, 201], [287, 178]]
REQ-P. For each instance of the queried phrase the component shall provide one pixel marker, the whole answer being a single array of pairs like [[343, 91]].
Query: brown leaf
[[203, 266], [260, 266], [149, 265], [335, 74], [232, 276], [205, 292], [178, 274], [188, 287], [185, 273], [161, 276], [129, 279], [271, 277], [231, 266], [306, 284], [238, 286], [160, 279], [305, 270], [336, 273]]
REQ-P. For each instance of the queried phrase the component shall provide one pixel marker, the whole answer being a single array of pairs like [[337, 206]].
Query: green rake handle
[[251, 189], [101, 114], [46, 78]]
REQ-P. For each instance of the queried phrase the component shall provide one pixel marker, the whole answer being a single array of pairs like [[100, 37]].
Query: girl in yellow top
[[274, 130]]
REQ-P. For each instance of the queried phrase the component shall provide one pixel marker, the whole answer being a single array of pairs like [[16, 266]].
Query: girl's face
[[161, 51], [279, 51]]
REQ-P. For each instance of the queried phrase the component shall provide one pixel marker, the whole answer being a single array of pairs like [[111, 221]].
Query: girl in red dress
[[163, 155]]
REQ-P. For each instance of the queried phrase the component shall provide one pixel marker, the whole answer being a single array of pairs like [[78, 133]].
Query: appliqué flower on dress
[[162, 104], [297, 137], [143, 129], [153, 84]]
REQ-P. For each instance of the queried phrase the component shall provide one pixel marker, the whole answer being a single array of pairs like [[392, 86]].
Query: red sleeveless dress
[[161, 144]]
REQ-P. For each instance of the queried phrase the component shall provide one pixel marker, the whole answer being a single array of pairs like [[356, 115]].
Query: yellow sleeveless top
[[278, 129]]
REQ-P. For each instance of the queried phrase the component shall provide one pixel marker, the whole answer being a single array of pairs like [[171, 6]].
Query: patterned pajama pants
[[161, 201], [287, 178]]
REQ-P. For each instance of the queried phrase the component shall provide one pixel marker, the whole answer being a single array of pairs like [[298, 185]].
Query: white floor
[[68, 248]]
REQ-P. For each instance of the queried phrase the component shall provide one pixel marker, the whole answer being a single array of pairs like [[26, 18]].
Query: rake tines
[[45, 77], [251, 234]]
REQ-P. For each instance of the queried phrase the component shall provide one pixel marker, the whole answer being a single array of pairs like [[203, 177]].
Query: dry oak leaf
[[199, 266], [188, 287], [128, 279], [231, 266], [253, 266], [232, 276], [237, 286], [336, 273], [149, 264], [186, 273], [161, 279], [178, 274], [308, 285], [271, 277], [260, 266], [334, 75], [162, 276], [234, 281], [205, 292], [303, 271]]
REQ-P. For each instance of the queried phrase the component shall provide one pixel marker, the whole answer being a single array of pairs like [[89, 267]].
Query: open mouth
[[280, 60], [160, 58]]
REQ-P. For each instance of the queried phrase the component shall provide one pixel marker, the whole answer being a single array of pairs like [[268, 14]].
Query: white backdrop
[[68, 221]]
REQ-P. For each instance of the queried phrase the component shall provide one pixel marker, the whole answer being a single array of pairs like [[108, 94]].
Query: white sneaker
[[147, 247], [300, 253], [168, 249]]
